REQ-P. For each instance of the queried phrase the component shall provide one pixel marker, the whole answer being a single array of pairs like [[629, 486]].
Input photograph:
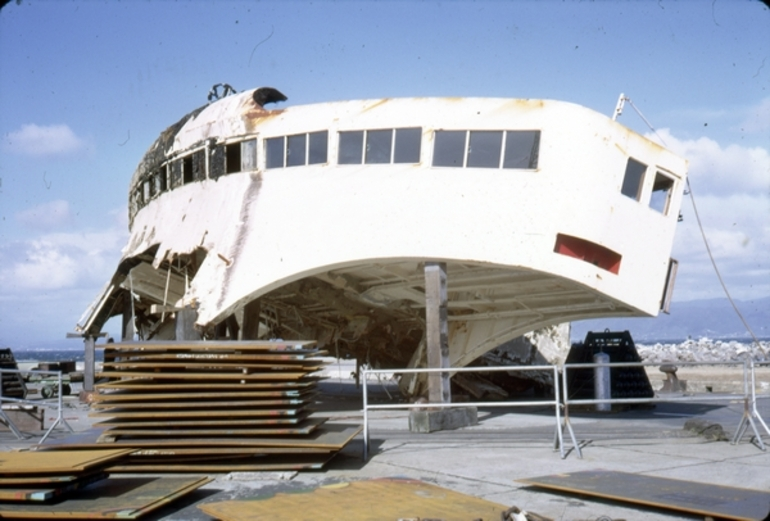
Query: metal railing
[[750, 410], [51, 403], [561, 401], [553, 402]]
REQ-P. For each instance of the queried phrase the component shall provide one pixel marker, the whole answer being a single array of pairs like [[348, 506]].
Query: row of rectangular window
[[452, 148]]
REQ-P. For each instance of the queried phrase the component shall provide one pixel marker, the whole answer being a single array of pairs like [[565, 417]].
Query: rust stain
[[373, 106], [255, 116]]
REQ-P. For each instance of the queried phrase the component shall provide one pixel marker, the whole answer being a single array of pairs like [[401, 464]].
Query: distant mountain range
[[712, 318]]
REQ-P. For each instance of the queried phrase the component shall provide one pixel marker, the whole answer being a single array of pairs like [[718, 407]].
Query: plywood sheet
[[121, 396], [113, 498], [243, 464], [330, 436], [51, 491], [214, 401], [361, 500], [146, 384], [309, 366], [187, 375], [289, 420], [285, 356], [197, 413], [229, 345], [173, 431], [65, 462], [685, 496]]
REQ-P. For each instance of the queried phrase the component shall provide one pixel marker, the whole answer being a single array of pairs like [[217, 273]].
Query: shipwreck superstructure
[[315, 222]]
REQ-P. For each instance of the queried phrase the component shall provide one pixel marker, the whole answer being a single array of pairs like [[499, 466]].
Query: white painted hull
[[361, 232]]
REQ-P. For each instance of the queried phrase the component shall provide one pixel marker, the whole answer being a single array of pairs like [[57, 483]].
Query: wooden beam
[[437, 331]]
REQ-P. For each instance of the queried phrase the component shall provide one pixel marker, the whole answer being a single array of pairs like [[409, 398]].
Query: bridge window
[[187, 170], [662, 189], [381, 146], [633, 179], [351, 148], [487, 148], [248, 155], [296, 150], [232, 158]]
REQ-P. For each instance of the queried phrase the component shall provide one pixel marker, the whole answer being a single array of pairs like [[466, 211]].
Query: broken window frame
[[662, 190]]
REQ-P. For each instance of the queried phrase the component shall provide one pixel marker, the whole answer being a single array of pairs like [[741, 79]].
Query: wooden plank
[[220, 355], [149, 385], [65, 462], [224, 401], [684, 496], [203, 376], [122, 396], [176, 451], [297, 430], [44, 479], [196, 413], [289, 420], [51, 491], [246, 345], [113, 498], [215, 365], [329, 436], [394, 499], [304, 462]]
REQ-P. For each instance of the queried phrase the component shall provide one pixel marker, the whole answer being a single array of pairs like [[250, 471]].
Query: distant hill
[[712, 318]]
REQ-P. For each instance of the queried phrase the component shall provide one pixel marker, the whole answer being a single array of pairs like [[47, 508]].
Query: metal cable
[[705, 240]]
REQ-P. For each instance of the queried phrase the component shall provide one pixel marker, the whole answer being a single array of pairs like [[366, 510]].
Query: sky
[[87, 86]]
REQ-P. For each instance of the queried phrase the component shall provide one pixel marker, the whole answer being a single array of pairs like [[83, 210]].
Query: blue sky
[[87, 86]]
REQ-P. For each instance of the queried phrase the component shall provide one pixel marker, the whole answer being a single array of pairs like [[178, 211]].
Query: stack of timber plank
[[216, 406], [75, 484]]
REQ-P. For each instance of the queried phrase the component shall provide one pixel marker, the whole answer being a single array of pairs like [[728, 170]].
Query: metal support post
[[437, 331], [89, 362]]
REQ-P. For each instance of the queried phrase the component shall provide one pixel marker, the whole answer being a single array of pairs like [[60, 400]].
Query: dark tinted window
[[407, 145], [378, 145], [295, 150], [522, 148], [351, 148], [318, 147], [449, 148], [274, 152], [632, 181], [484, 149]]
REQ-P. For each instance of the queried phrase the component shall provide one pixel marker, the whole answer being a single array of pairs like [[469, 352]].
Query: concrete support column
[[89, 362], [437, 331]]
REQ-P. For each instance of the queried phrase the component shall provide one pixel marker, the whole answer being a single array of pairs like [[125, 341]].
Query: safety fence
[[561, 402], [749, 396], [49, 403], [553, 402]]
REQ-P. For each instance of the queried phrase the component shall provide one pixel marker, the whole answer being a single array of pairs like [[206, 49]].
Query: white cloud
[[58, 261], [48, 140], [46, 216], [717, 169]]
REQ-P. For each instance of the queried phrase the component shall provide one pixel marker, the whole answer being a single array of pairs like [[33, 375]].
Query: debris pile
[[705, 350]]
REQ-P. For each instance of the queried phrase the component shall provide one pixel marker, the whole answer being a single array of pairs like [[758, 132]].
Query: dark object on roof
[[265, 95]]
